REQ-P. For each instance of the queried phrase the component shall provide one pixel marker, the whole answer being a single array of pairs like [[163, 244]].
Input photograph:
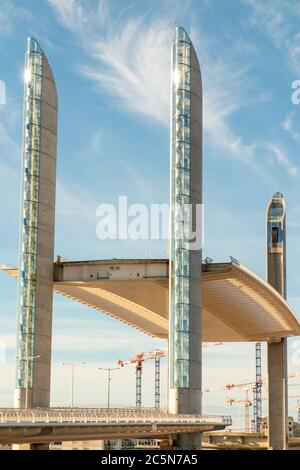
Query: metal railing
[[104, 415]]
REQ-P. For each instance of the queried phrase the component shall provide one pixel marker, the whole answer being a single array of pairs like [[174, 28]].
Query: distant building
[[113, 444], [293, 427]]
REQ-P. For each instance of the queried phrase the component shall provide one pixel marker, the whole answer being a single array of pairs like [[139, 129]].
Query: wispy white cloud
[[269, 16], [10, 117], [78, 16], [134, 66], [75, 217], [93, 336], [77, 202], [92, 149], [280, 156], [132, 63], [279, 23], [131, 60], [10, 13], [288, 126], [96, 142], [10, 158]]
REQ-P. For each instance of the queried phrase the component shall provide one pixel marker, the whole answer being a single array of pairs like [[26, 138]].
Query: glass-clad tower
[[185, 258], [35, 284], [277, 350], [276, 249]]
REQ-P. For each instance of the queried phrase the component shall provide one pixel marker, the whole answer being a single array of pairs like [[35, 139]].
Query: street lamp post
[[73, 364], [108, 370]]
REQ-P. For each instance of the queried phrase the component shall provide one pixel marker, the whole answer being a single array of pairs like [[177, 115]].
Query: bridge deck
[[61, 424], [236, 304]]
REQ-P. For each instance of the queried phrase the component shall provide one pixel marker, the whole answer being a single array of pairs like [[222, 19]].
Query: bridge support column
[[277, 350], [101, 445], [185, 267], [277, 396]]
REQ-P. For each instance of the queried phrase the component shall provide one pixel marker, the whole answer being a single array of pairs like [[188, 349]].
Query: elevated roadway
[[78, 424]]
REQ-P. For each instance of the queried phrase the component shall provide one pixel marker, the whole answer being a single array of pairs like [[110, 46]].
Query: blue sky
[[111, 64]]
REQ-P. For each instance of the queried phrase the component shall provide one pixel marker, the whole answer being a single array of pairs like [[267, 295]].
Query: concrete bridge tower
[[36, 252], [185, 338], [277, 350]]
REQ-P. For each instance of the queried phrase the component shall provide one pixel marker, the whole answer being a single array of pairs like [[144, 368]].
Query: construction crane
[[209, 390], [242, 385], [290, 396], [292, 375], [228, 387], [247, 403], [207, 345], [257, 390], [138, 361], [262, 381]]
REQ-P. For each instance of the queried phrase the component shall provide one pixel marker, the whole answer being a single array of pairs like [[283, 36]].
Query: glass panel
[[183, 53], [29, 240], [31, 188], [275, 235], [31, 163], [183, 155], [180, 288], [27, 293], [28, 229], [28, 266]]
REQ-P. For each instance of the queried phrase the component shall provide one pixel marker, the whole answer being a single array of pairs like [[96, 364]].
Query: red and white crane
[[262, 381], [138, 360], [247, 403]]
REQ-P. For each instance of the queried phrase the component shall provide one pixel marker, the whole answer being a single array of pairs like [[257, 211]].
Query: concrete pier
[[185, 319], [277, 350], [277, 395], [35, 287]]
